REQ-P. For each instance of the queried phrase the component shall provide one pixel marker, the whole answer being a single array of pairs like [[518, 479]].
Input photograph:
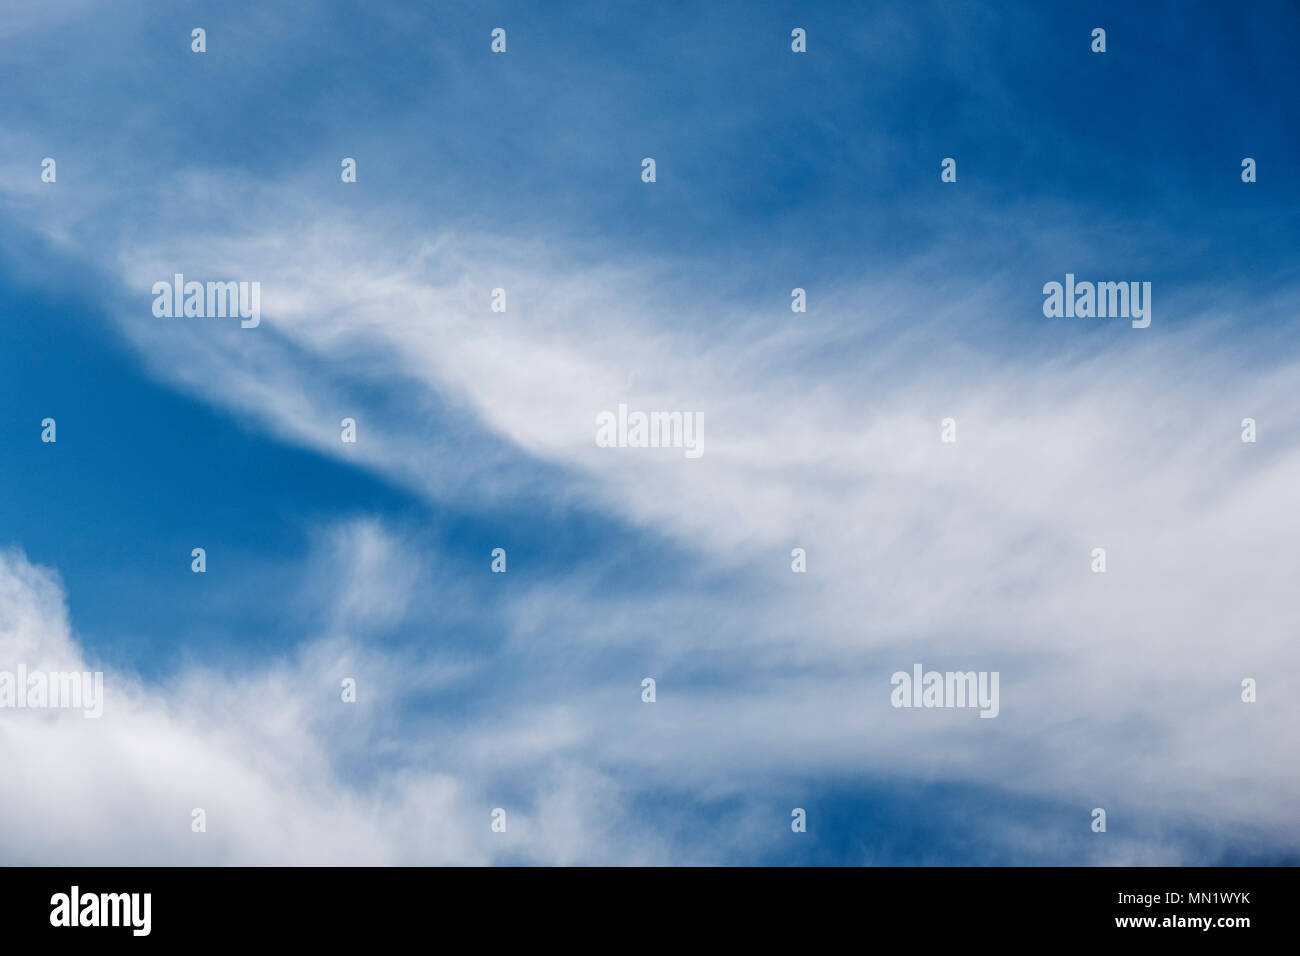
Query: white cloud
[[259, 753], [1118, 690]]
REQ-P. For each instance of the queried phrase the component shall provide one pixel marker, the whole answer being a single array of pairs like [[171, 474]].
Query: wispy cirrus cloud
[[821, 431], [919, 550]]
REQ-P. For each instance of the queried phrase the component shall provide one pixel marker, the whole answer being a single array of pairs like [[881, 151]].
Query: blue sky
[[521, 690]]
